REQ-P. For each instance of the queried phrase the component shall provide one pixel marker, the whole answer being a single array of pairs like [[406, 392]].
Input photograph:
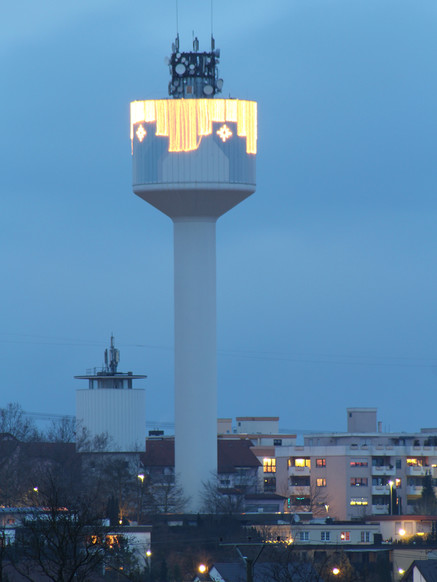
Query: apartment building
[[361, 472], [263, 433]]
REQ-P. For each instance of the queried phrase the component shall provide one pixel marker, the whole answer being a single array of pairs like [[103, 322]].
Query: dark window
[[359, 481]]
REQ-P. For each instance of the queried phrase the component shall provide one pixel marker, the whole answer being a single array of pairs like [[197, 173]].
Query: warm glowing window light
[[186, 121], [269, 465]]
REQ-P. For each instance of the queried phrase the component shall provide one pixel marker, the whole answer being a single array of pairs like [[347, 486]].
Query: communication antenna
[[212, 21], [177, 18]]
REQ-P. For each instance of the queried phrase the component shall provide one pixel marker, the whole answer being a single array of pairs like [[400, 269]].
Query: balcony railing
[[384, 470], [380, 489], [418, 471], [380, 509], [301, 471], [414, 489], [302, 490]]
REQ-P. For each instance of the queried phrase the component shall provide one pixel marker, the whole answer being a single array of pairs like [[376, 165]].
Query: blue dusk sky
[[326, 276]]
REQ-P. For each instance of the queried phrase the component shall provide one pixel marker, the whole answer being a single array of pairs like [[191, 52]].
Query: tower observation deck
[[194, 159]]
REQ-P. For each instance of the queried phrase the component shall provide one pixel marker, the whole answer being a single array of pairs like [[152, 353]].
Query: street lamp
[[335, 571], [202, 568], [141, 477]]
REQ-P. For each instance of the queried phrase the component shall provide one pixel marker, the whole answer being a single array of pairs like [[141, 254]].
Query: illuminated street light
[[141, 477], [202, 568], [335, 571]]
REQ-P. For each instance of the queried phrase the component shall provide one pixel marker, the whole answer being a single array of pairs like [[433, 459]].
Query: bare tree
[[64, 542], [310, 498], [164, 496], [88, 443], [14, 421], [218, 499], [62, 431]]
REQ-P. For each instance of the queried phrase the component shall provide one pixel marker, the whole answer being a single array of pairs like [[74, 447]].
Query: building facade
[[354, 474]]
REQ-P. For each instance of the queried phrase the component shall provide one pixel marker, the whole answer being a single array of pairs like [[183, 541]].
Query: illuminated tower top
[[194, 74]]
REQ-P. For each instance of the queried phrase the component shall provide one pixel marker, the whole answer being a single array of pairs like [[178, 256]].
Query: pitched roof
[[293, 571], [159, 453], [427, 568], [232, 454]]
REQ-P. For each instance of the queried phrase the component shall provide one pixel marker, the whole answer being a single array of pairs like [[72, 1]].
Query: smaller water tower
[[111, 413]]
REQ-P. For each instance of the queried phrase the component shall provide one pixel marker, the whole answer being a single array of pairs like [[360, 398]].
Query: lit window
[[415, 462], [398, 483], [320, 462], [269, 465], [321, 482], [345, 536], [359, 501], [359, 463], [302, 463]]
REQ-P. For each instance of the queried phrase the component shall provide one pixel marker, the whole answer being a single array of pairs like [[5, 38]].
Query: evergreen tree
[[427, 504]]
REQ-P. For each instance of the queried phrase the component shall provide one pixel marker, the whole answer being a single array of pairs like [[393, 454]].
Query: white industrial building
[[111, 414]]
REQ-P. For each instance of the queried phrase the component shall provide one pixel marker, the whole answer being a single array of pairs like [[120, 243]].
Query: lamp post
[[140, 500]]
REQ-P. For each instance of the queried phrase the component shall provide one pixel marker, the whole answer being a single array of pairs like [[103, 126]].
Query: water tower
[[194, 159], [111, 411]]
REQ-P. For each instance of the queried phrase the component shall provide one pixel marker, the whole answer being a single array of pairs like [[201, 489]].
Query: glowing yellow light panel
[[186, 121]]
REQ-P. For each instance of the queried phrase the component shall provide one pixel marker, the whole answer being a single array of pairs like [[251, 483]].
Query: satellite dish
[[220, 84], [180, 69], [208, 89], [192, 67]]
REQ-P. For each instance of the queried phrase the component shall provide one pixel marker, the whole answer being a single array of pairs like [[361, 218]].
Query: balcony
[[384, 470], [418, 471], [301, 471], [414, 489], [380, 489], [301, 490], [420, 451], [380, 509]]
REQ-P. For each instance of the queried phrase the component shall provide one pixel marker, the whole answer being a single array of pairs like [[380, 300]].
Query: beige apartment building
[[358, 473]]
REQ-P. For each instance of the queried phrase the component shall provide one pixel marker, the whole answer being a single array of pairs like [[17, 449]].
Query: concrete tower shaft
[[194, 159]]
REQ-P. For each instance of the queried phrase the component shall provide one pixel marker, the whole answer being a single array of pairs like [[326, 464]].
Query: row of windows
[[325, 536], [376, 462], [305, 462]]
